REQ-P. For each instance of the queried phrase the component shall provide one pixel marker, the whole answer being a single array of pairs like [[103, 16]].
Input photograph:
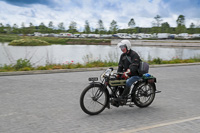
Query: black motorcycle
[[99, 95]]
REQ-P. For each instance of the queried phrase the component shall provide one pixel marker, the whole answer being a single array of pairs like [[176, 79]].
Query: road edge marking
[[157, 125]]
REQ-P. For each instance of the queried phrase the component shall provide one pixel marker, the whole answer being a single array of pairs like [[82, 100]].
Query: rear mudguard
[[136, 85], [104, 89]]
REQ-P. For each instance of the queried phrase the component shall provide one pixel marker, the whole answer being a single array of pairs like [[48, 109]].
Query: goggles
[[122, 47]]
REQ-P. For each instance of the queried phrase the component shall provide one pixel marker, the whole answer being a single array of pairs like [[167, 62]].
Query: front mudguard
[[104, 88]]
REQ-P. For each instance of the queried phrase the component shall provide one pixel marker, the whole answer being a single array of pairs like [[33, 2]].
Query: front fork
[[104, 88]]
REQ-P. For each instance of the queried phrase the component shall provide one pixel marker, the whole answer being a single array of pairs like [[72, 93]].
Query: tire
[[143, 94], [93, 99]]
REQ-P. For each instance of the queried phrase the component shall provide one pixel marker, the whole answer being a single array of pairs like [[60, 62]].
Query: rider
[[128, 65]]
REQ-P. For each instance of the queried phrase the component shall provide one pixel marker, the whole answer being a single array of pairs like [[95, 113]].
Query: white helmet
[[126, 43]]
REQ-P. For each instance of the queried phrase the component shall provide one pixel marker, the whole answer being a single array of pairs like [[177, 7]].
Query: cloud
[[185, 7], [143, 11], [28, 2]]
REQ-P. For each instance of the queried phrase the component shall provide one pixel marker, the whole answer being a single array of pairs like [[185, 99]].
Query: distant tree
[[191, 30], [31, 25], [131, 23], [72, 27], [157, 21], [31, 28], [181, 29], [50, 25], [42, 24], [1, 28], [180, 20], [113, 27], [42, 28], [15, 29], [8, 28], [96, 31], [129, 30], [155, 30], [23, 30], [15, 26], [1, 25], [165, 27], [192, 25], [101, 28], [87, 29], [23, 25], [180, 24], [198, 25], [61, 26]]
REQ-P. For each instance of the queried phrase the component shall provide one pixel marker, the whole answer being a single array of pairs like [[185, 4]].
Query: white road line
[[158, 125], [5, 115]]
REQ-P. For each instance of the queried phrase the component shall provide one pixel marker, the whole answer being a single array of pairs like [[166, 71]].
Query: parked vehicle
[[77, 35], [145, 36], [184, 35], [93, 35], [100, 95], [196, 35], [105, 36], [115, 36], [163, 35], [124, 35], [66, 35], [83, 35]]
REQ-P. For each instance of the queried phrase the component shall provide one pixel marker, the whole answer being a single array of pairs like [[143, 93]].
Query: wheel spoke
[[94, 100], [100, 103], [144, 95]]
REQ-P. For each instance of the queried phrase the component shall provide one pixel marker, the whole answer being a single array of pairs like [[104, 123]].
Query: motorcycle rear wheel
[[143, 94], [93, 99]]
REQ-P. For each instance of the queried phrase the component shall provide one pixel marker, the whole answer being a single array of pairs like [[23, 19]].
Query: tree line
[[158, 26]]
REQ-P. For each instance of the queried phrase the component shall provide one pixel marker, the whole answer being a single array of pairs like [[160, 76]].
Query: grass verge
[[25, 65], [54, 40]]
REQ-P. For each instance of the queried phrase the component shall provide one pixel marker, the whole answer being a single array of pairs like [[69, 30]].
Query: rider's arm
[[120, 65], [135, 64]]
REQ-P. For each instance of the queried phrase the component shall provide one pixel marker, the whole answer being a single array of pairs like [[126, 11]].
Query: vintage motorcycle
[[99, 95]]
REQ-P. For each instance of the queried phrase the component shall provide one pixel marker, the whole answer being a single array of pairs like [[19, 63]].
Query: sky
[[66, 11]]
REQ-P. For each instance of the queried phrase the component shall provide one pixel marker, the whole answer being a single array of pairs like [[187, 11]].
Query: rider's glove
[[118, 76], [125, 74]]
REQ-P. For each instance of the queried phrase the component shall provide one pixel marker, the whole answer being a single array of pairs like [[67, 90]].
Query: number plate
[[152, 80], [93, 79]]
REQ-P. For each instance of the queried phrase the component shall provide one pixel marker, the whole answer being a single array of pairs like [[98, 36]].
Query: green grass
[[28, 42], [25, 65], [55, 40], [174, 61], [9, 38]]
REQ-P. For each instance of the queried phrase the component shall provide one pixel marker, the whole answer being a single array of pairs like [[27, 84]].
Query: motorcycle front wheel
[[143, 94], [93, 99]]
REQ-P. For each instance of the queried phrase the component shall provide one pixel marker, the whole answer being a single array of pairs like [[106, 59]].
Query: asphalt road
[[49, 103]]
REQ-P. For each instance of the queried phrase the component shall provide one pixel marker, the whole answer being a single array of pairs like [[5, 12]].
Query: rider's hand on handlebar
[[125, 74], [117, 76]]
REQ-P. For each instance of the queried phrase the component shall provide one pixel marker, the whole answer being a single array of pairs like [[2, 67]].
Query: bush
[[7, 68], [42, 68], [28, 42], [157, 61], [26, 69], [22, 63]]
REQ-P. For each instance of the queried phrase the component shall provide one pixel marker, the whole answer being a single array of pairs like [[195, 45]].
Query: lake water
[[59, 54]]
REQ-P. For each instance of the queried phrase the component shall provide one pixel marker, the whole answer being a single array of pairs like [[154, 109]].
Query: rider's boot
[[123, 98], [114, 102]]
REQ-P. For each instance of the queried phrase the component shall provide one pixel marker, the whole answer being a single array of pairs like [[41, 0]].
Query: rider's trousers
[[129, 82]]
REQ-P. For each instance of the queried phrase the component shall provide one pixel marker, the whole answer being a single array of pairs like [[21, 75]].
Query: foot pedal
[[158, 92], [131, 105]]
